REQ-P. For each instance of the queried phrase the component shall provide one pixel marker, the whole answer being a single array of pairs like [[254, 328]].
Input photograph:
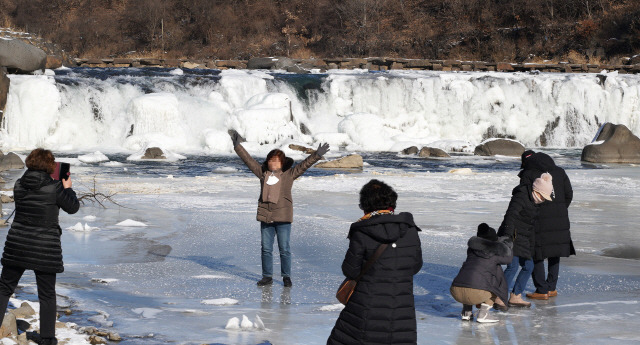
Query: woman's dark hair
[[277, 153], [377, 195], [42, 160]]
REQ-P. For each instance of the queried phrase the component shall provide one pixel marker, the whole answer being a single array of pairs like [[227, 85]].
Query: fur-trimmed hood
[[288, 163], [501, 247]]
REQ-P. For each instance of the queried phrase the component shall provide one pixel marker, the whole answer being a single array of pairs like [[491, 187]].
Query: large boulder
[[499, 146], [24, 311], [349, 162], [613, 144], [410, 150], [11, 161], [270, 63], [154, 153], [4, 88], [428, 152], [21, 56]]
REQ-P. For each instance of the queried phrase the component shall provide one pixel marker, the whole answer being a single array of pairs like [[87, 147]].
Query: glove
[[235, 138], [322, 149]]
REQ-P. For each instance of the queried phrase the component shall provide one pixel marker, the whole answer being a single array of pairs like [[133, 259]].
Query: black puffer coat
[[482, 270], [519, 220], [33, 242], [553, 235], [381, 309]]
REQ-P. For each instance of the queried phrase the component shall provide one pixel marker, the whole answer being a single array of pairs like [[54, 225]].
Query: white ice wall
[[362, 111]]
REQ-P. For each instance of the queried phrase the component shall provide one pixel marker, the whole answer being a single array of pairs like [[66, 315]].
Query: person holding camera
[[275, 205], [33, 242]]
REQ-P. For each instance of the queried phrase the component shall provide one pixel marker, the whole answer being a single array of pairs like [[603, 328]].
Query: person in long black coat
[[552, 228], [480, 279], [518, 224], [33, 242], [381, 309]]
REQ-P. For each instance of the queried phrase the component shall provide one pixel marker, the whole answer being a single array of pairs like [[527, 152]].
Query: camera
[[62, 171]]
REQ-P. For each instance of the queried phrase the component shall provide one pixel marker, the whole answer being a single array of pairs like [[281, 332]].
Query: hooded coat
[[519, 220], [381, 309], [482, 270], [282, 210], [33, 242], [552, 228]]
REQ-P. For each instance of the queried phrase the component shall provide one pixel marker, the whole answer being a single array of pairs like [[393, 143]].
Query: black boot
[[287, 282], [265, 281], [48, 341]]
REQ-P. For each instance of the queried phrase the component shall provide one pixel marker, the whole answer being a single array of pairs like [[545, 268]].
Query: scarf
[[376, 213], [271, 193]]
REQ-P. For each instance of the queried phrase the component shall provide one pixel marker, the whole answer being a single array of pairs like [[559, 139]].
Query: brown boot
[[499, 305], [536, 295], [517, 301], [553, 293]]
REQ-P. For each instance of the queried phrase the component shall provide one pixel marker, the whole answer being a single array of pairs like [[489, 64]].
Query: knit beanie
[[487, 232], [544, 186], [526, 154]]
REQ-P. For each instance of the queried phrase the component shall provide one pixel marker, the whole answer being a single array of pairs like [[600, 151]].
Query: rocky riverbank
[[373, 64]]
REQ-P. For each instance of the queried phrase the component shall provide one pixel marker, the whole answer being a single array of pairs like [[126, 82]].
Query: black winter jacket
[[552, 228], [482, 270], [33, 242], [381, 309], [519, 220]]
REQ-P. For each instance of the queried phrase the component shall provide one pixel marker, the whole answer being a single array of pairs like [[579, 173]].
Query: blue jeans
[[269, 231], [523, 277]]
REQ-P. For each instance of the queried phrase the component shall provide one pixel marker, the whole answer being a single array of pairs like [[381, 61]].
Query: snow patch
[[131, 223], [101, 319], [79, 227], [332, 307], [147, 313], [111, 164], [104, 280], [220, 301], [210, 276], [225, 170], [96, 157]]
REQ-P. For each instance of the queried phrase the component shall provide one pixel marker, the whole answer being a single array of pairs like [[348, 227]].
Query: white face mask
[[272, 180]]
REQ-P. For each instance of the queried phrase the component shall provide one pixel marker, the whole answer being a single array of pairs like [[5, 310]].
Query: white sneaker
[[467, 312], [484, 316]]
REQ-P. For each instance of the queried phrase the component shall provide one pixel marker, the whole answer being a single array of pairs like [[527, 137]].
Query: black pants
[[46, 294], [547, 283]]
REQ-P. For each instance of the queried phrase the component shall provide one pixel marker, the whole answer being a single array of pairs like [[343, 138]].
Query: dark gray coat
[[482, 268], [381, 309], [552, 227], [33, 242], [519, 220]]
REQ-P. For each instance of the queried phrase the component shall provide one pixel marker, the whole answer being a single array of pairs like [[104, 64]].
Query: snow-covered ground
[[192, 269]]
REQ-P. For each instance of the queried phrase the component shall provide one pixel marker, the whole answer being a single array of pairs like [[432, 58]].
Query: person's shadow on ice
[[220, 264]]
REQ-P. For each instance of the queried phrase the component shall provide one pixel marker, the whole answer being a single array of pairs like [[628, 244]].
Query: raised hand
[[235, 138], [322, 149]]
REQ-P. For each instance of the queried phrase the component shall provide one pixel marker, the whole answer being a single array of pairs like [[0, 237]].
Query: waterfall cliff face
[[128, 109]]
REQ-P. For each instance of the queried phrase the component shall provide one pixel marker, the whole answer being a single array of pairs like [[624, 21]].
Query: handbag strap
[[371, 260]]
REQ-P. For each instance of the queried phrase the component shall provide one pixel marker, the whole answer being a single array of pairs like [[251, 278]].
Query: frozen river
[[167, 282]]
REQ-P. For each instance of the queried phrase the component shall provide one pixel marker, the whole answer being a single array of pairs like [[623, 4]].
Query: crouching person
[[481, 279]]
